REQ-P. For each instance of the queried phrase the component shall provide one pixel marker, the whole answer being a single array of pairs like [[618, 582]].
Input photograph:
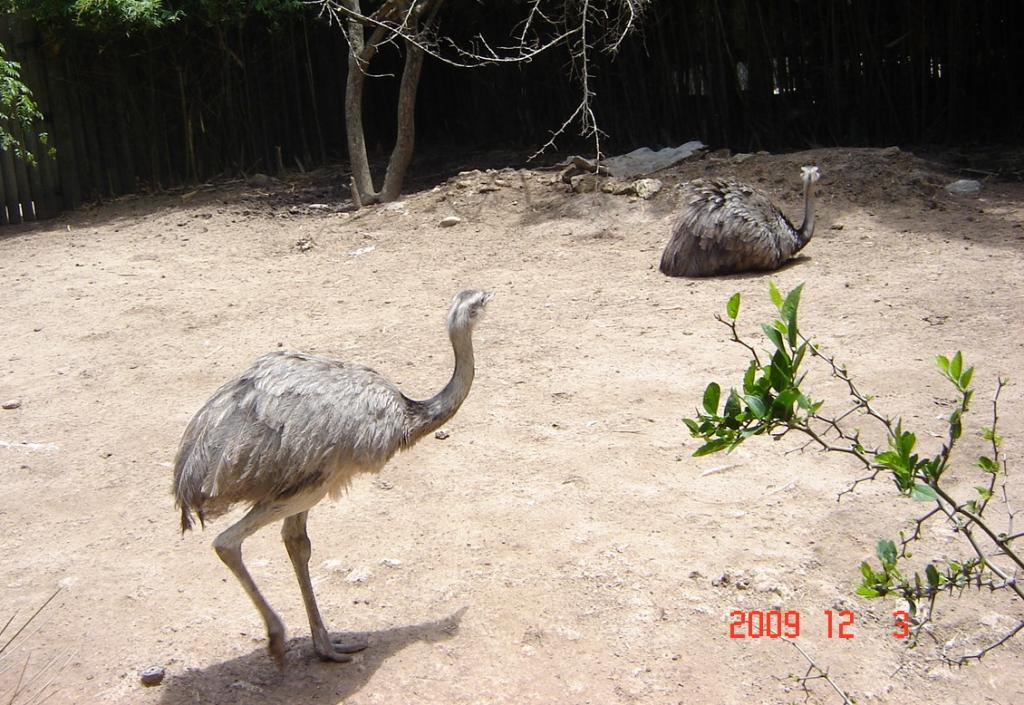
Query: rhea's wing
[[287, 424]]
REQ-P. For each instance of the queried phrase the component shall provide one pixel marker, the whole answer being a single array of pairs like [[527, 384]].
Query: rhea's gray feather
[[295, 422], [727, 226]]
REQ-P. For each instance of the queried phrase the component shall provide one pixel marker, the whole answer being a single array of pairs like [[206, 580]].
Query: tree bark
[[401, 155], [362, 179]]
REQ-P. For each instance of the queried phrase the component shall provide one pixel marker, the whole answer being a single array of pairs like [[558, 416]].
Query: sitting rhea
[[293, 429], [727, 226]]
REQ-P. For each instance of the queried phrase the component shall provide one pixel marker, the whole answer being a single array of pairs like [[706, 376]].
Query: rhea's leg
[[296, 540], [229, 547]]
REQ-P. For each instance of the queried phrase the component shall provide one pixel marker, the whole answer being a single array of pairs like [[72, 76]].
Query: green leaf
[[777, 373], [799, 357], [787, 397], [712, 447], [906, 443], [732, 405], [757, 406], [886, 551], [954, 366], [888, 459], [988, 465], [989, 434], [788, 312], [932, 574], [748, 377], [965, 378], [923, 493], [711, 397], [693, 426], [867, 572], [773, 291], [868, 592], [732, 309], [774, 336], [984, 492], [942, 362]]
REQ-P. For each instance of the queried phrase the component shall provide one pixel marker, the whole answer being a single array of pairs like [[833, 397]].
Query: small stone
[[154, 675], [964, 187], [391, 562], [395, 208], [741, 157], [358, 575], [617, 187], [647, 188], [836, 226], [12, 404], [305, 244], [583, 183], [890, 151], [449, 221], [441, 434]]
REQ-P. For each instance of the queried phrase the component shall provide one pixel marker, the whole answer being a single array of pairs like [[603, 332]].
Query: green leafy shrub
[[772, 400]]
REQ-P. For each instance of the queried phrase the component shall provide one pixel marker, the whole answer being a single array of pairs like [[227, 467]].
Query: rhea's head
[[467, 309], [810, 174]]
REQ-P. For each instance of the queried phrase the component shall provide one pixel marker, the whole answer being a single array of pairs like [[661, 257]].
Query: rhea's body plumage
[[727, 226]]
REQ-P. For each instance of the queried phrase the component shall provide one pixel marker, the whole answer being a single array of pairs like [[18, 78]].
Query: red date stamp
[[773, 624]]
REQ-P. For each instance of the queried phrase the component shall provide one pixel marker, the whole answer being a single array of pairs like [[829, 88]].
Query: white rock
[[449, 221], [391, 562], [358, 575], [964, 187], [645, 160], [395, 208], [647, 188]]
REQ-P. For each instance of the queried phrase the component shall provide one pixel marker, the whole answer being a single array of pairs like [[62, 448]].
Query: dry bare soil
[[561, 545]]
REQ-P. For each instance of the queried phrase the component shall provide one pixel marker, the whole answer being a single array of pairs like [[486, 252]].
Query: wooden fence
[[190, 102]]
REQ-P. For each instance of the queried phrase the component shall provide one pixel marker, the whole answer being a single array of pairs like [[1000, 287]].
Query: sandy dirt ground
[[561, 545]]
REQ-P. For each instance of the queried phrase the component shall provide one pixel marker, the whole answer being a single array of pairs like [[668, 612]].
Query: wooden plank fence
[[190, 101]]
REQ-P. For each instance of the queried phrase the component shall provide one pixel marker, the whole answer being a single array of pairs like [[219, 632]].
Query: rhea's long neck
[[432, 413], [807, 228]]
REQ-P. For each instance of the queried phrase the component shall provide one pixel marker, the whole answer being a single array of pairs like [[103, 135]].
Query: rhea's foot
[[337, 650]]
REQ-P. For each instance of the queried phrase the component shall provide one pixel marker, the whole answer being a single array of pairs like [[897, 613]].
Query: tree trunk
[[401, 155], [362, 179]]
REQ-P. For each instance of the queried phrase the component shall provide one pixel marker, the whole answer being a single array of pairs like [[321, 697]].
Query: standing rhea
[[727, 227], [294, 428]]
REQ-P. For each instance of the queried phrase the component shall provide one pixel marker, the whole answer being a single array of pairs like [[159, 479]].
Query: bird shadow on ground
[[253, 678]]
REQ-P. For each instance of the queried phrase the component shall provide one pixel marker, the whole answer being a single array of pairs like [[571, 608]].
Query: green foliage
[[772, 400], [16, 108], [119, 17]]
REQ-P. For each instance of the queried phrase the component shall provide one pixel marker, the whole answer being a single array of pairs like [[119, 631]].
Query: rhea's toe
[[331, 654], [348, 647]]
